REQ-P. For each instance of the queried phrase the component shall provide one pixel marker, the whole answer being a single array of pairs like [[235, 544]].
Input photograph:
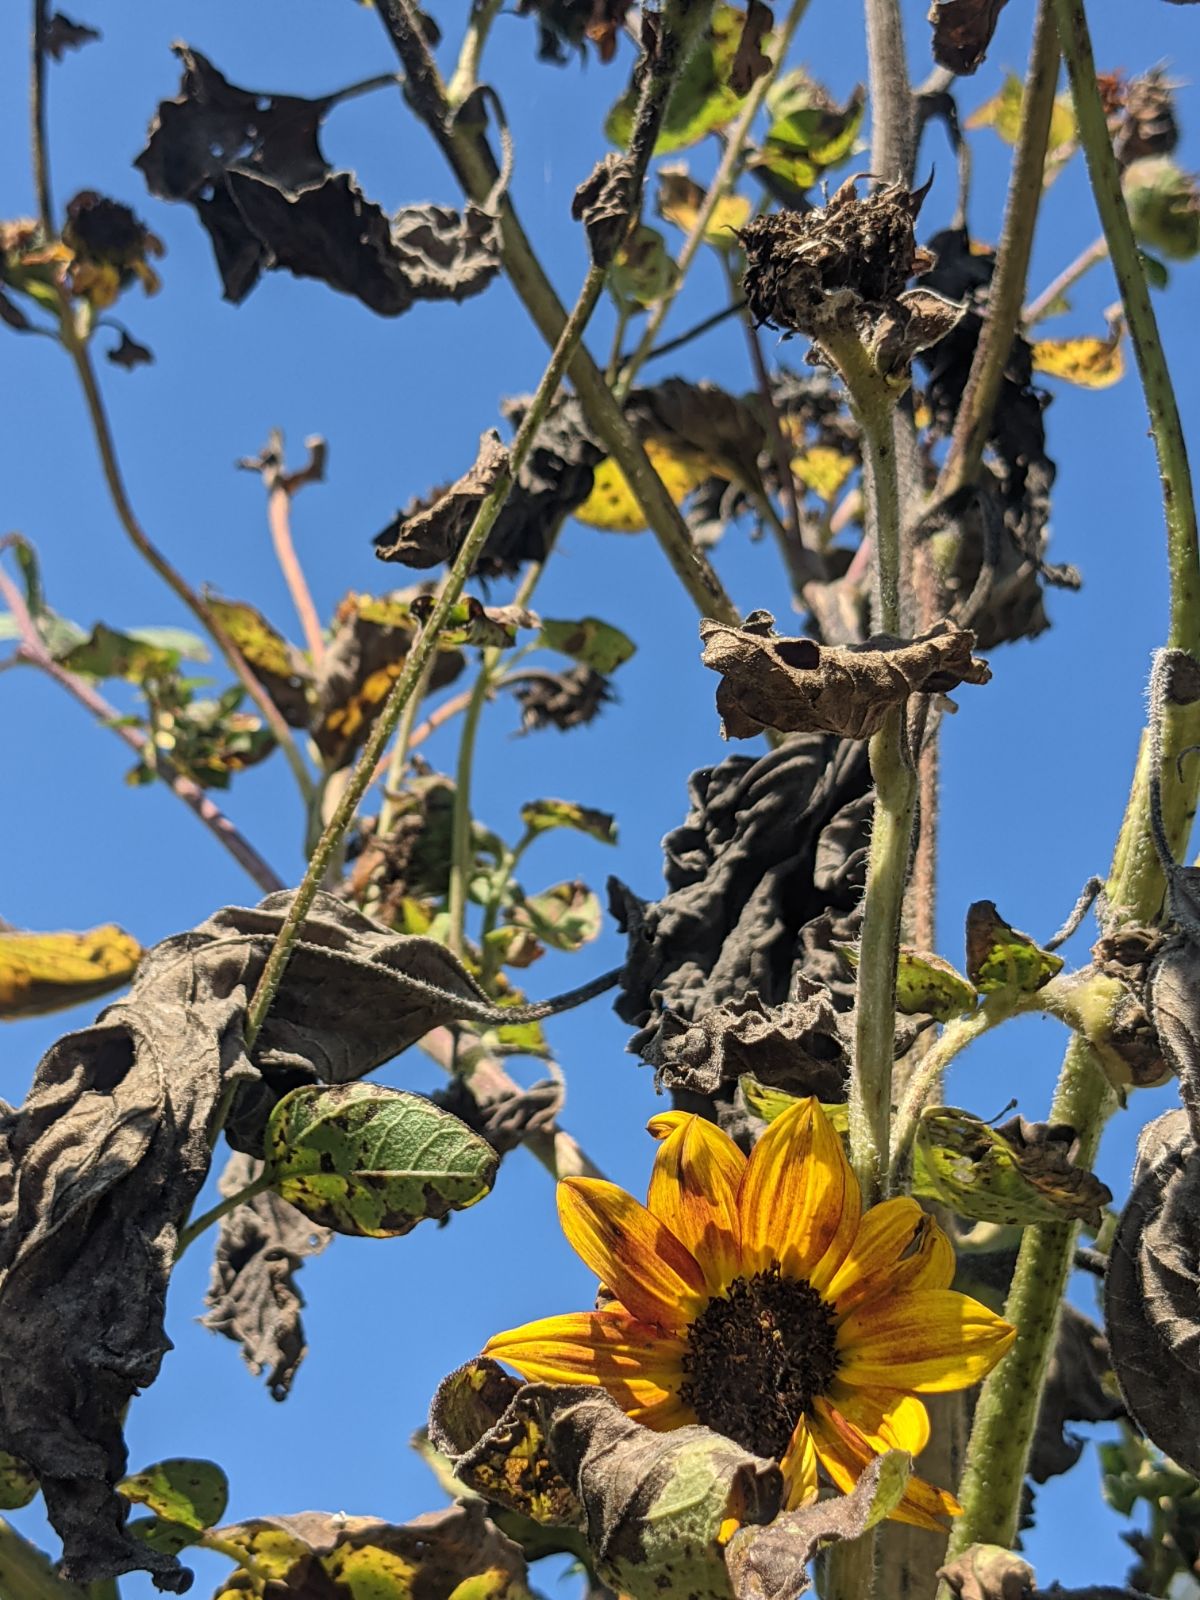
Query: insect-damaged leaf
[[456, 1554], [1000, 957], [595, 644], [44, 972], [962, 31], [927, 985], [373, 1162], [251, 166], [1152, 1291], [797, 685], [539, 816], [1019, 1173], [252, 1296], [115, 1130], [651, 1505], [191, 1494]]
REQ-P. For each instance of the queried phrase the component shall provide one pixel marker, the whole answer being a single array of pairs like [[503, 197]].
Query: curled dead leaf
[[797, 685]]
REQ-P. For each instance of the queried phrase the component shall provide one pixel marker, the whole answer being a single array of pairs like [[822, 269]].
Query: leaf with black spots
[[1001, 957], [1019, 1173], [190, 1494], [539, 816], [596, 644]]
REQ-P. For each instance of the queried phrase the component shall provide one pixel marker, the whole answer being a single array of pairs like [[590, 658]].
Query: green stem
[[418, 657], [895, 781], [466, 73], [893, 120], [81, 357], [722, 182], [241, 1558], [398, 761], [1026, 185], [223, 1207], [39, 140], [1008, 1403], [1067, 278], [471, 159], [26, 1574], [461, 854]]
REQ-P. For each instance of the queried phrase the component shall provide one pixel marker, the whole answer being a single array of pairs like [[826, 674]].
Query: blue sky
[[1035, 766]]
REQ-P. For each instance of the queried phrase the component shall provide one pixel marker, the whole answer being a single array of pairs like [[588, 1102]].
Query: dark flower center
[[757, 1357]]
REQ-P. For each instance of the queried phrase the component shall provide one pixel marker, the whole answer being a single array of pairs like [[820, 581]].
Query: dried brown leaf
[[962, 32], [797, 685], [604, 204], [61, 34], [988, 1572], [433, 535], [751, 61]]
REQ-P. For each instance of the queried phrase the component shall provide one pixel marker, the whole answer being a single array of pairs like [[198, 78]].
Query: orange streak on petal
[[604, 1349], [796, 1188], [638, 1257], [887, 1420], [928, 1342], [899, 1248], [799, 1467], [845, 1454], [693, 1190]]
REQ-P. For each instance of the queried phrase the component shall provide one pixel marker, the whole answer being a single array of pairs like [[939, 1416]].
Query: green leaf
[[1000, 957], [926, 985], [105, 653], [702, 100], [594, 643], [1017, 1174], [471, 622], [373, 1162], [190, 1494], [1157, 275], [18, 1485], [809, 133], [167, 1537], [540, 816], [565, 917], [642, 270], [769, 1103]]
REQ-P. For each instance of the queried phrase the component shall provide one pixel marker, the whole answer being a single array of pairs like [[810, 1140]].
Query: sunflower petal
[[665, 1122], [845, 1453], [796, 1188], [693, 1189], [654, 1277], [899, 1248], [887, 1420], [927, 1342], [640, 1368], [799, 1467]]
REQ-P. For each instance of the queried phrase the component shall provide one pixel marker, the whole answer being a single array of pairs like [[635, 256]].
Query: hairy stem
[[39, 138], [466, 73], [1026, 183], [722, 182], [461, 854], [472, 161], [98, 415], [180, 784], [223, 1207], [1008, 1404], [893, 112]]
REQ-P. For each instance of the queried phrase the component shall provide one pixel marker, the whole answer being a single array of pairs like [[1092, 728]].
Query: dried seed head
[[836, 268]]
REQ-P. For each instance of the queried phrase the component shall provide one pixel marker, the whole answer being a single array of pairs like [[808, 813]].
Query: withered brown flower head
[[109, 248], [814, 271]]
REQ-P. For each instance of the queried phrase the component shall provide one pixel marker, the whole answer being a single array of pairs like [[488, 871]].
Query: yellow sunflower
[[753, 1295]]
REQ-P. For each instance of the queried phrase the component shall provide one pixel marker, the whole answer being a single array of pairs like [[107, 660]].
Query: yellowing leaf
[[611, 506], [642, 270], [43, 972], [1003, 112], [263, 646], [1089, 363], [823, 470], [680, 198]]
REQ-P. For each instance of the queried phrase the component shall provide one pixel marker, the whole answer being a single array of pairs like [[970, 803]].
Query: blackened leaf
[[651, 1505], [703, 422], [366, 654], [115, 1129], [130, 354], [373, 1162], [797, 685], [1019, 1173], [539, 816], [560, 700], [604, 202], [471, 622], [329, 1556], [61, 34], [252, 167], [1152, 1291], [563, 23], [1079, 1388], [750, 61], [433, 535], [768, 1563], [797, 1046], [44, 972], [193, 1494], [1001, 957], [988, 1572], [507, 1118], [962, 32], [252, 1297], [594, 643]]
